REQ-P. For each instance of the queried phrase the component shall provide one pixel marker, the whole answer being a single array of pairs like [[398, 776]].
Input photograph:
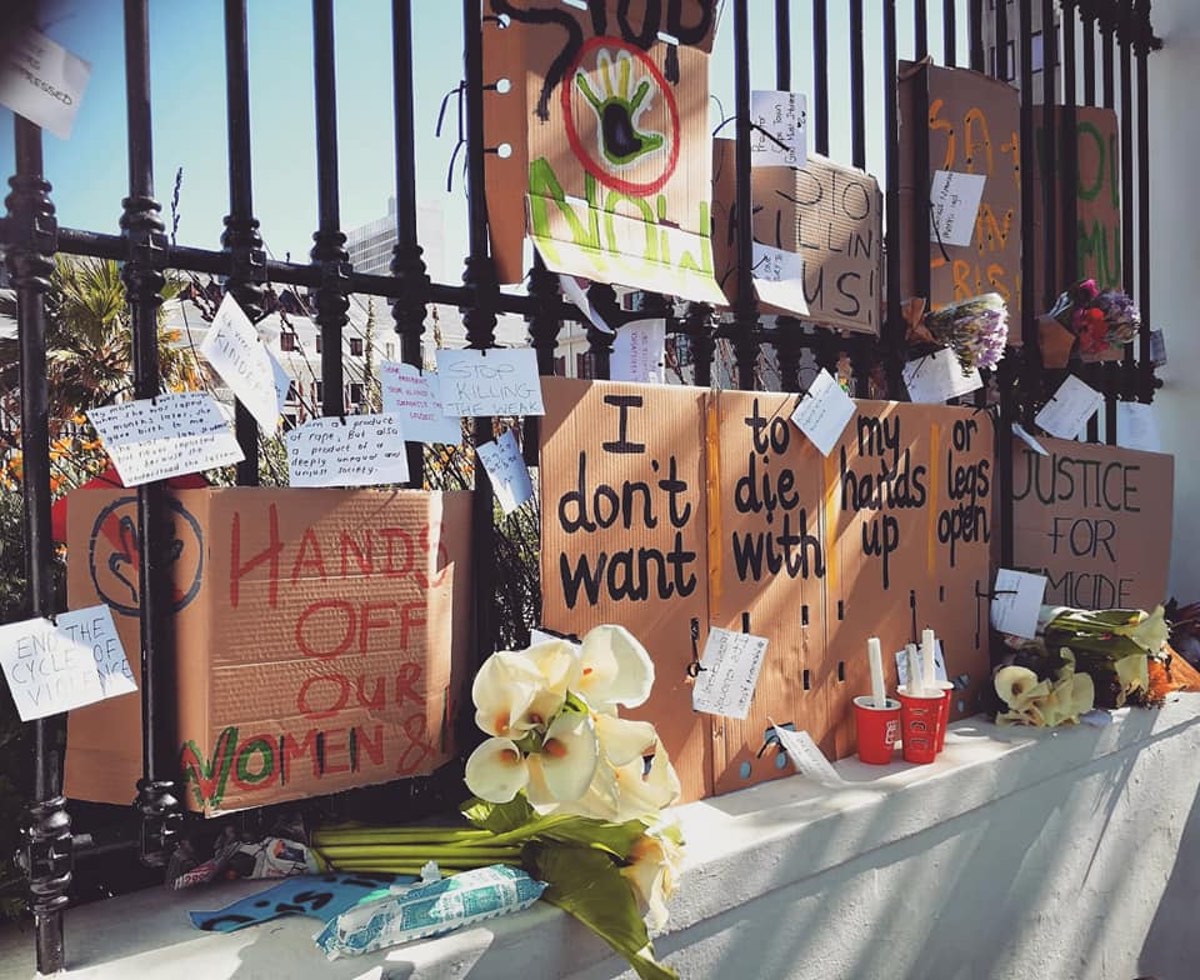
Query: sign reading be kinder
[[321, 639]]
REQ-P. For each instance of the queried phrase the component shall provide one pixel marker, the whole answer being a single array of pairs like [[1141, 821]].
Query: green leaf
[[499, 818], [615, 838], [587, 884]]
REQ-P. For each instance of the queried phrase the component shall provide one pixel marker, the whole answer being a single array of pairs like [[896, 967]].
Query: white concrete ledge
[[1018, 854]]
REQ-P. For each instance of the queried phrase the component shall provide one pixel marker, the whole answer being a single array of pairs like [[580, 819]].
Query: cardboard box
[[609, 131], [832, 215], [1096, 521], [321, 639], [973, 126]]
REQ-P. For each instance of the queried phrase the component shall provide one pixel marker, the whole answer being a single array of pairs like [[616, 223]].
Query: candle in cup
[[875, 656], [928, 671], [916, 685]]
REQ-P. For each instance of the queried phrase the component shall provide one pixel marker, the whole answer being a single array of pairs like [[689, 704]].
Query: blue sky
[[89, 173]]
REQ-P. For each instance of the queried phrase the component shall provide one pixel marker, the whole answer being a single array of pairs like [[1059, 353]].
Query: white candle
[[875, 655], [928, 671], [915, 686]]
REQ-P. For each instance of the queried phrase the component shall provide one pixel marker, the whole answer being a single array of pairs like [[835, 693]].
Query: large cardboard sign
[[828, 214], [1096, 521], [321, 639], [607, 124], [973, 126]]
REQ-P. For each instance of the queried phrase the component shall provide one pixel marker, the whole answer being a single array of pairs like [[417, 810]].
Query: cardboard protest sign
[[608, 126], [320, 639], [1096, 521], [829, 214], [624, 538], [973, 127]]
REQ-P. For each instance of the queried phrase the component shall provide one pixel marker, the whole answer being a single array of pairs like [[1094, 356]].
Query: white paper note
[[731, 662], [823, 413], [939, 664], [1016, 602], [1137, 427], [779, 137], [1068, 410], [507, 470], [233, 348], [807, 756], [1030, 441], [42, 81], [157, 438], [938, 377], [639, 352], [954, 200], [94, 628], [414, 399], [1158, 348], [576, 291], [496, 382], [779, 278], [541, 636], [355, 451]]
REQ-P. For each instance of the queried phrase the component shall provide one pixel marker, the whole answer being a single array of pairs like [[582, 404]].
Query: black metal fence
[[1117, 33]]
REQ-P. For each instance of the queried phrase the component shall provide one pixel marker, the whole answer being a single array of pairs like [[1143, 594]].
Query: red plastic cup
[[878, 730], [947, 689], [919, 718]]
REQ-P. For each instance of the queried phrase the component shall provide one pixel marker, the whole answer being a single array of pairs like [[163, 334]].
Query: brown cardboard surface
[[321, 640], [633, 456], [1096, 521], [973, 126], [611, 170], [829, 213]]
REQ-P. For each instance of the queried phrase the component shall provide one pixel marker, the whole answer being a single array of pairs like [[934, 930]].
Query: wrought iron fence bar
[[892, 332], [1048, 164], [950, 33], [921, 28], [1001, 68], [1146, 42], [1112, 371], [1125, 38], [1088, 16], [745, 317], [975, 27], [820, 49], [783, 45], [1069, 151], [858, 106]]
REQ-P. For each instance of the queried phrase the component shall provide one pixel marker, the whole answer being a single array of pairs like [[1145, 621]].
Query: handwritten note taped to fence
[[823, 413], [954, 203], [235, 351], [507, 470], [415, 399], [51, 669], [156, 438], [729, 674], [779, 137], [575, 290], [806, 756], [1069, 408], [43, 81], [1016, 601], [355, 451], [639, 352], [1137, 427], [779, 278], [494, 382], [939, 376]]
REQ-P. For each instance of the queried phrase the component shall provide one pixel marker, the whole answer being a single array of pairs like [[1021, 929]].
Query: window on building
[[289, 422], [1011, 66], [1037, 53], [356, 393], [356, 347], [560, 367], [583, 366], [287, 341], [389, 350], [318, 343], [318, 391], [293, 394]]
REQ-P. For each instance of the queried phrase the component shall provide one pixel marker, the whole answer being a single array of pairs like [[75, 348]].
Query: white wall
[[1175, 264]]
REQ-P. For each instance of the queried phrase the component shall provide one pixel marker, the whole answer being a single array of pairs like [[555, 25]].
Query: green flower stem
[[433, 851], [399, 835]]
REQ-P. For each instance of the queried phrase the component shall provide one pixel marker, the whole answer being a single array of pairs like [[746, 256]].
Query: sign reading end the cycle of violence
[[320, 639], [1096, 521]]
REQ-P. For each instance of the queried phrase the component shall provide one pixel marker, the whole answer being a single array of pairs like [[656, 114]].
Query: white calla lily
[[622, 741], [616, 669], [557, 663], [638, 789], [562, 771], [497, 771], [655, 863], [503, 691]]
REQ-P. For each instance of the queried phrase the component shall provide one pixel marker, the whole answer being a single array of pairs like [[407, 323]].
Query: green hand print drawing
[[618, 113]]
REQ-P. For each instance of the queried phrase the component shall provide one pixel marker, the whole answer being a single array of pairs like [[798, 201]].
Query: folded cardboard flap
[[321, 639]]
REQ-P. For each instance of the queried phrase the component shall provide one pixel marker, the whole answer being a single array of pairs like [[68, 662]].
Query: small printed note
[[1158, 348], [779, 278], [824, 412], [576, 291], [171, 435], [639, 352], [354, 451], [1069, 408], [499, 381], [51, 669], [1137, 427], [414, 398], [235, 351], [954, 201], [42, 81], [938, 377], [779, 121], [1016, 602], [729, 673], [807, 756], [541, 636], [939, 663], [1020, 432], [507, 471]]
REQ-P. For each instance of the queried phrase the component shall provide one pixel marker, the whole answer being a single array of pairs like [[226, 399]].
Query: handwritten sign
[[1016, 601], [779, 279], [43, 82], [495, 382], [156, 438], [954, 201], [354, 451], [938, 377], [823, 413], [1137, 427], [729, 673], [235, 351], [806, 756], [779, 137], [415, 400], [507, 470], [639, 352], [1069, 408]]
